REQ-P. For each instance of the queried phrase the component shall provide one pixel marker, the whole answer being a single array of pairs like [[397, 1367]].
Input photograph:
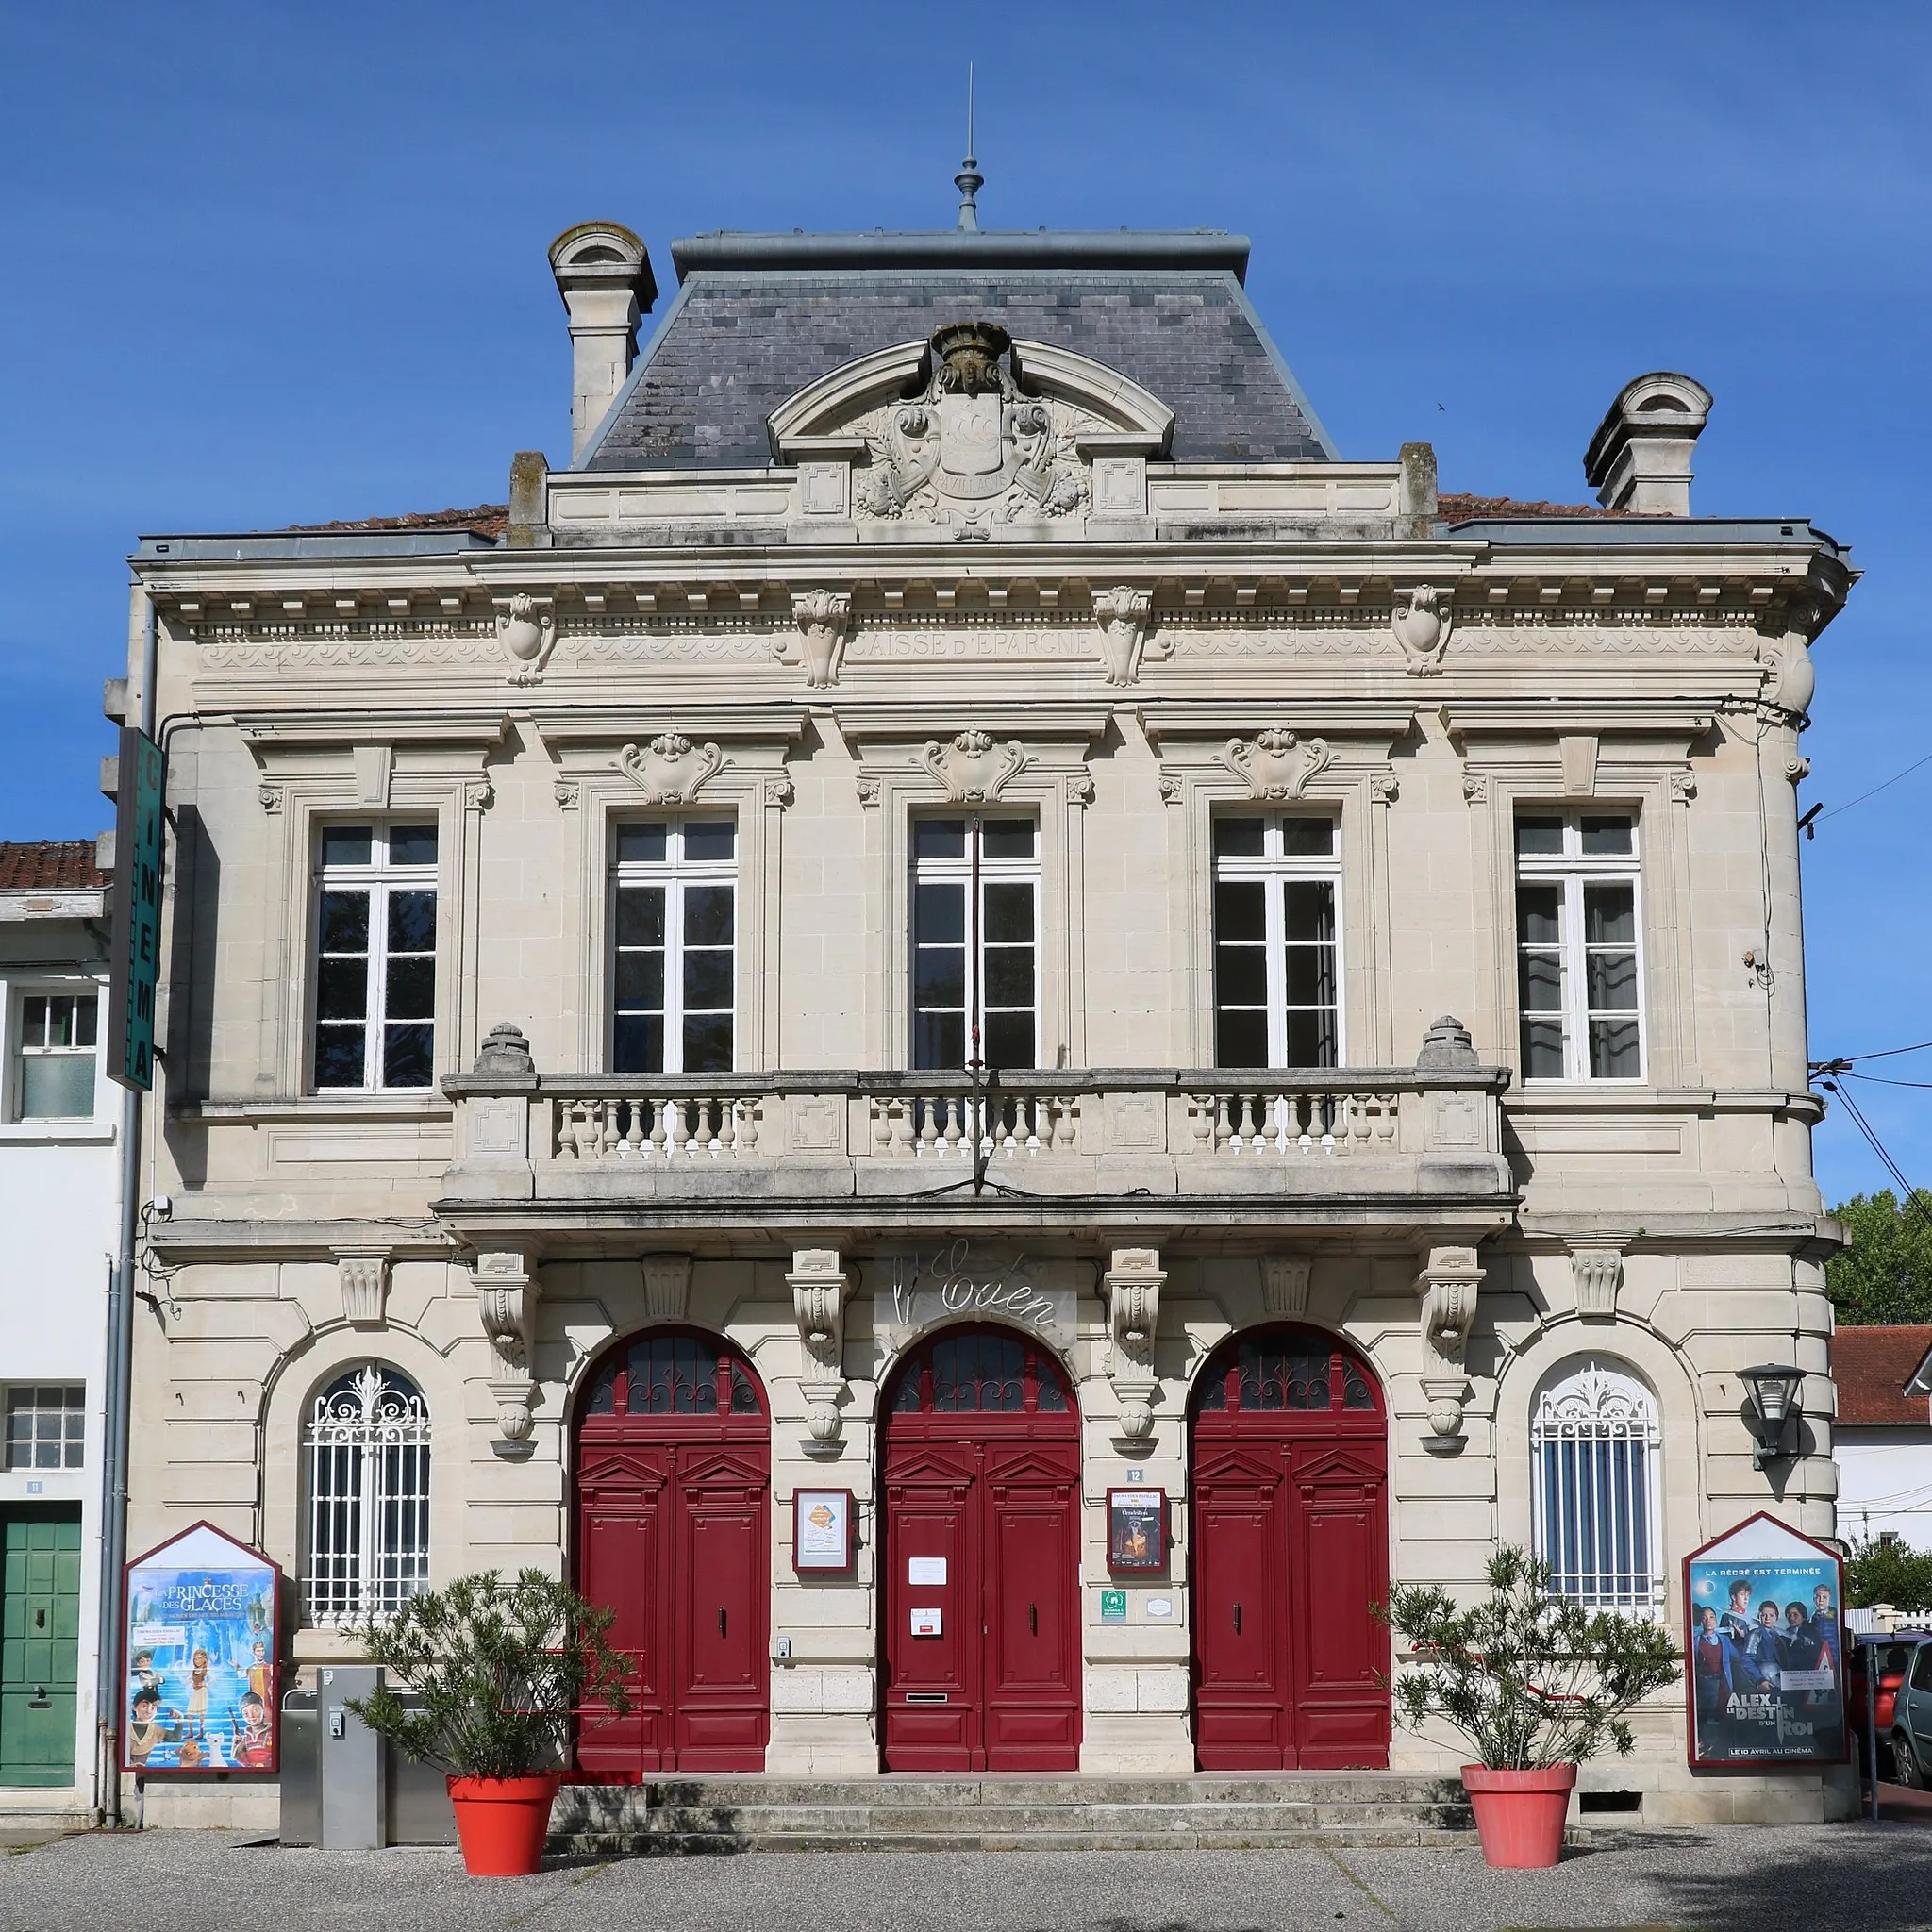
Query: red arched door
[[1291, 1552], [673, 1471], [981, 1603]]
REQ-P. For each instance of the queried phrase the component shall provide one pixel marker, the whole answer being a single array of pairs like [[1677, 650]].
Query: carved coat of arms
[[969, 449]]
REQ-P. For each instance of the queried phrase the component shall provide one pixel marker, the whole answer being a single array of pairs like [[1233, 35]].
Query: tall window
[[975, 942], [1594, 1444], [368, 1446], [46, 1428], [376, 957], [673, 962], [1579, 973], [1277, 956], [55, 1056]]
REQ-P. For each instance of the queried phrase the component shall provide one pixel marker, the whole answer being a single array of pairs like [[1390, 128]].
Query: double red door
[[1290, 1554], [674, 1476], [980, 1604]]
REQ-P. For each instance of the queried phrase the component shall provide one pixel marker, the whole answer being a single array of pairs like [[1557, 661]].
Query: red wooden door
[[673, 1478], [1291, 1552], [981, 1611]]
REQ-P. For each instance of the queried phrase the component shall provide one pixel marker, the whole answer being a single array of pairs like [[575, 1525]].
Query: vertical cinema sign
[[137, 910]]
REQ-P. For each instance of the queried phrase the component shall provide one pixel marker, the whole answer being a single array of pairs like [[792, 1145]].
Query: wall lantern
[[1774, 1390]]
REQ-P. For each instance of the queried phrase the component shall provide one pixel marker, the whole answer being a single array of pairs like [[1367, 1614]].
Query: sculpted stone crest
[[973, 767], [1278, 765], [527, 630], [971, 449], [824, 621], [671, 768], [1421, 628], [1124, 617]]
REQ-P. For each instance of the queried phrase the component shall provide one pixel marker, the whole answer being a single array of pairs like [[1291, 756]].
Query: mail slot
[[926, 1697]]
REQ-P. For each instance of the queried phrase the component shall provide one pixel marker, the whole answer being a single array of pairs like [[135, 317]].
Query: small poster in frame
[[1136, 1529], [203, 1690], [822, 1532]]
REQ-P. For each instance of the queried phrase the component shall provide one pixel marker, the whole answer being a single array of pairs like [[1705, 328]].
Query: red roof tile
[[1457, 509], [486, 519], [1872, 1366], [50, 865]]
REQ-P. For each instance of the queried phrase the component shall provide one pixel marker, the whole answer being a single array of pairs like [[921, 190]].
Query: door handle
[[1236, 1620], [1033, 1617], [721, 1620]]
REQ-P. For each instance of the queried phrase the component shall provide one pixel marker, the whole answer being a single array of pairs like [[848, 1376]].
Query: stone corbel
[[824, 622], [1596, 1274], [526, 629], [507, 1298], [1422, 626], [363, 1274], [1132, 1285], [667, 1287], [1125, 615], [1285, 1284], [820, 1290], [1448, 1284]]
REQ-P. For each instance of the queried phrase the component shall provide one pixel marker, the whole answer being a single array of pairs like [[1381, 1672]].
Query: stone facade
[[976, 573]]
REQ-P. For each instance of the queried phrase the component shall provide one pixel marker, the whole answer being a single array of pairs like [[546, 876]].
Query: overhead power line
[[1876, 789]]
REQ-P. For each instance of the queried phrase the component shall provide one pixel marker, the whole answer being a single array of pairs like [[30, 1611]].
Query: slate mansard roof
[[759, 317]]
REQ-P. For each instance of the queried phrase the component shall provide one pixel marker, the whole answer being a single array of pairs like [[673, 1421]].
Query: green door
[[40, 1646]]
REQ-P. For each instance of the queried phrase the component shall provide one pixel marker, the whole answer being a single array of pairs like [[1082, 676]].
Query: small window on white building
[[1596, 1498], [674, 947], [1578, 965], [368, 1456], [46, 1428], [376, 957], [975, 942], [1278, 964], [55, 1056]]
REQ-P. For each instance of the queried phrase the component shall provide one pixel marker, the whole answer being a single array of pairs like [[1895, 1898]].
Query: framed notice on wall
[[1762, 1614], [820, 1531], [203, 1690], [1136, 1531]]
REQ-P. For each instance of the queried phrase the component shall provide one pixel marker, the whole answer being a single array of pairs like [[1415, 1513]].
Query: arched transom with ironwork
[[1285, 1373]]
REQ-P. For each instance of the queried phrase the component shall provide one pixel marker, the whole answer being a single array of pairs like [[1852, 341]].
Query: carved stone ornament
[[1125, 615], [671, 769], [1422, 626], [507, 1297], [974, 769], [1276, 765], [971, 450], [824, 622], [363, 1274], [526, 629], [1132, 1285], [819, 1288], [667, 1287], [1596, 1274], [504, 1050], [1790, 678], [1448, 1285], [1284, 1283]]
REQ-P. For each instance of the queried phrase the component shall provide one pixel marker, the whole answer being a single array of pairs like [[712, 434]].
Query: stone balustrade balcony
[[1350, 1141]]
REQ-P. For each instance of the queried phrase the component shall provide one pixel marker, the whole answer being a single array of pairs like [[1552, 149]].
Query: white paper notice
[[925, 1622], [926, 1569]]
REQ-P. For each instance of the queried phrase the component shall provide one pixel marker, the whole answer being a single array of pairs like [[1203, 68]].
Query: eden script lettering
[[949, 1272]]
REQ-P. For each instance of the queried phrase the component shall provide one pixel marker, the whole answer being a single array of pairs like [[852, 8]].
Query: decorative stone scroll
[[1448, 1285], [671, 769], [526, 629], [820, 1290], [1421, 627], [507, 1298], [1276, 765], [972, 768], [1596, 1274], [1132, 1285], [825, 623], [1126, 618]]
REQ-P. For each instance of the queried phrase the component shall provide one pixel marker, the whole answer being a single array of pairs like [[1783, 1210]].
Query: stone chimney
[[604, 278], [1639, 458]]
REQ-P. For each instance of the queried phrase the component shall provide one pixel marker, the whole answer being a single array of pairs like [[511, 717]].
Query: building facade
[[61, 1186], [1883, 1440], [961, 913]]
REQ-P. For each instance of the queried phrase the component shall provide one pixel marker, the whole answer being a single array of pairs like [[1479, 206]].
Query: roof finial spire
[[969, 180]]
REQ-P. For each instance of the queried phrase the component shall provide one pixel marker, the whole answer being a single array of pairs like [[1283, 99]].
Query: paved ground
[[1877, 1878]]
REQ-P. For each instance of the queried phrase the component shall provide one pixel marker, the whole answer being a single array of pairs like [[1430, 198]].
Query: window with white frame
[[1277, 965], [1594, 1442], [54, 1055], [975, 942], [46, 1426], [1578, 964], [368, 1458], [376, 957], [674, 947]]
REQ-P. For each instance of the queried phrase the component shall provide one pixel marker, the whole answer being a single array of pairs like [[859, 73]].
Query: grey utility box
[[416, 1807], [354, 1765]]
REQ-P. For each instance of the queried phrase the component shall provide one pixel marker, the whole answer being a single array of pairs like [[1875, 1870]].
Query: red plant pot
[[1520, 1814], [502, 1823]]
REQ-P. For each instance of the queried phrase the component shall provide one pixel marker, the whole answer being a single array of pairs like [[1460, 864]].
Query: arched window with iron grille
[[1594, 1444], [367, 1445]]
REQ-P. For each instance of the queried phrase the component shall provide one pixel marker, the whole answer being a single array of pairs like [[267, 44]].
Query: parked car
[[1912, 1722], [1892, 1661]]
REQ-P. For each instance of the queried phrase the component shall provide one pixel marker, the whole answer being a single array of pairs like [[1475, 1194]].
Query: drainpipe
[[109, 1679]]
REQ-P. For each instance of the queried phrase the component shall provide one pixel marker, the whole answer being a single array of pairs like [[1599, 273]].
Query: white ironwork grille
[[1594, 1444], [368, 1497]]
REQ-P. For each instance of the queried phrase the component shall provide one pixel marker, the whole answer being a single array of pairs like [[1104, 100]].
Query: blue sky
[[271, 265]]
